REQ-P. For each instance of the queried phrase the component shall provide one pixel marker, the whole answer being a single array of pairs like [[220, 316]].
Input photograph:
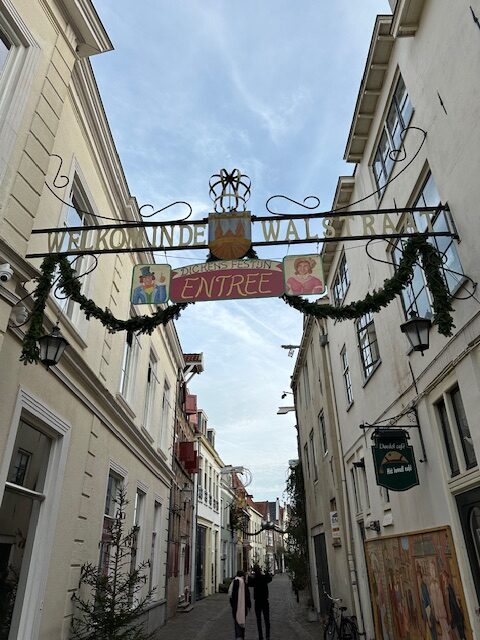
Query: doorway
[[469, 510], [323, 577]]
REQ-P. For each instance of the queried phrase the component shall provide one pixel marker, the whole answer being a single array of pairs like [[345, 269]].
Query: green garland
[[70, 285], [372, 303]]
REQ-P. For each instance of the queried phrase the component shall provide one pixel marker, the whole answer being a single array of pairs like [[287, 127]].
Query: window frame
[[150, 391], [81, 203], [455, 443], [341, 281], [347, 378], [314, 456], [26, 622], [16, 78], [412, 293], [362, 326], [386, 137], [323, 431]]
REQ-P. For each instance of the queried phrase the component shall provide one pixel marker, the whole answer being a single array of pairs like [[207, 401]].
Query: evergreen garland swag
[[416, 247]]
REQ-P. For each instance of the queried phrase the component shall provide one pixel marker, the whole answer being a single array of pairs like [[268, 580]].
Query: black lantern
[[52, 347], [417, 331]]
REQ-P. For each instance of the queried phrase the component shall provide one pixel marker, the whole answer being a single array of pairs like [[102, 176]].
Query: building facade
[[207, 571], [413, 555], [104, 416]]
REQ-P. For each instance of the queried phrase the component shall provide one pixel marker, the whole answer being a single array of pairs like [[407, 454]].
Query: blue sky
[[265, 86]]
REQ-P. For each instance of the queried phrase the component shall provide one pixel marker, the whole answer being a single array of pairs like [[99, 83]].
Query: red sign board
[[227, 280]]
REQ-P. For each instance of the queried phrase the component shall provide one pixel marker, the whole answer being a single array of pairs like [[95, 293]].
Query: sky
[[265, 86]]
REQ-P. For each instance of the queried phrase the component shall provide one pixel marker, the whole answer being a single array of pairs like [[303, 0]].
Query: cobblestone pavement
[[211, 618]]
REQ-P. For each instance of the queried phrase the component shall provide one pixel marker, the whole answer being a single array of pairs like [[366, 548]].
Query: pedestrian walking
[[240, 603], [259, 581]]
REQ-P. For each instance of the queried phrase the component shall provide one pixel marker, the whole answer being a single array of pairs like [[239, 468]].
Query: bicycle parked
[[338, 625]]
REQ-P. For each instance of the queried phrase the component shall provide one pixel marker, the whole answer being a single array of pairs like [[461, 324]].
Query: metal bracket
[[391, 423]]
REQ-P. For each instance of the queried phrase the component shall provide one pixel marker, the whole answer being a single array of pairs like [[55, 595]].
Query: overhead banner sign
[[229, 235], [228, 280], [394, 460]]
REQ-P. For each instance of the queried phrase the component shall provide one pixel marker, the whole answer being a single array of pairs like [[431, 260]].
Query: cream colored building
[[258, 537], [207, 573], [413, 552], [104, 416]]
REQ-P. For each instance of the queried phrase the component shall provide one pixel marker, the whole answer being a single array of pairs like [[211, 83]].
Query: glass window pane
[[463, 428], [447, 436], [28, 465], [15, 529], [5, 46]]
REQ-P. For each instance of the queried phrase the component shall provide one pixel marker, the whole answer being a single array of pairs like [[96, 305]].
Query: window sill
[[375, 367], [147, 434], [124, 404]]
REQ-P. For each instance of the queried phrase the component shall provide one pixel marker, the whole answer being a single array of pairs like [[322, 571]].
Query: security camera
[[6, 272]]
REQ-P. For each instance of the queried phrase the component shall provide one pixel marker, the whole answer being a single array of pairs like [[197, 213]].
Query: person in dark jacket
[[240, 603], [259, 581]]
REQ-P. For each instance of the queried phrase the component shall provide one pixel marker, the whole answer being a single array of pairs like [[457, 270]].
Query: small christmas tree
[[114, 604]]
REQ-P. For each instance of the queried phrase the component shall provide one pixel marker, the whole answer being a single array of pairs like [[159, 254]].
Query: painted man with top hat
[[148, 292]]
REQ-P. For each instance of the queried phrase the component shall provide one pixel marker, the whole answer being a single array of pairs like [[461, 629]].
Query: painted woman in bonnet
[[304, 282]]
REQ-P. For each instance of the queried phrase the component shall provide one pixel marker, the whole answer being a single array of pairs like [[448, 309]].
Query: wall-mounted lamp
[[291, 348], [52, 347], [284, 394], [417, 331], [282, 410]]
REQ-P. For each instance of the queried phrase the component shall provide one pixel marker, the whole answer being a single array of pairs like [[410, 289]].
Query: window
[[76, 216], [150, 391], [355, 492], [363, 476], [416, 297], [307, 459], [448, 439], [165, 414], [306, 382], [314, 456], [323, 432], [114, 485], [138, 523], [129, 364], [341, 282], [367, 344], [456, 432], [347, 380], [398, 118], [463, 428], [154, 578], [19, 516]]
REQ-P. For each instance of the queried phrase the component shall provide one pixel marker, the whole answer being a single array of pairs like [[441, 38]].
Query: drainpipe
[[345, 500]]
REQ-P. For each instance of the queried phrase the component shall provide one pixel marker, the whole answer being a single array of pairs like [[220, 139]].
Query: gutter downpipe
[[348, 521]]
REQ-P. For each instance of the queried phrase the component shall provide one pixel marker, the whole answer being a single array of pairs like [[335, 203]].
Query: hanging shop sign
[[228, 280], [335, 528], [394, 460]]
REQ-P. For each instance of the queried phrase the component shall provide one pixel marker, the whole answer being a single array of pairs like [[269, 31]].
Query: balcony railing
[[200, 493]]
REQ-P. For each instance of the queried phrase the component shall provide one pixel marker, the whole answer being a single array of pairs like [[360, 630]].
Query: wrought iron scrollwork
[[303, 204], [229, 191], [62, 181]]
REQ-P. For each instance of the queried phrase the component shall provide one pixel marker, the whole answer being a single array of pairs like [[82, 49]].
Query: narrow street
[[212, 618]]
